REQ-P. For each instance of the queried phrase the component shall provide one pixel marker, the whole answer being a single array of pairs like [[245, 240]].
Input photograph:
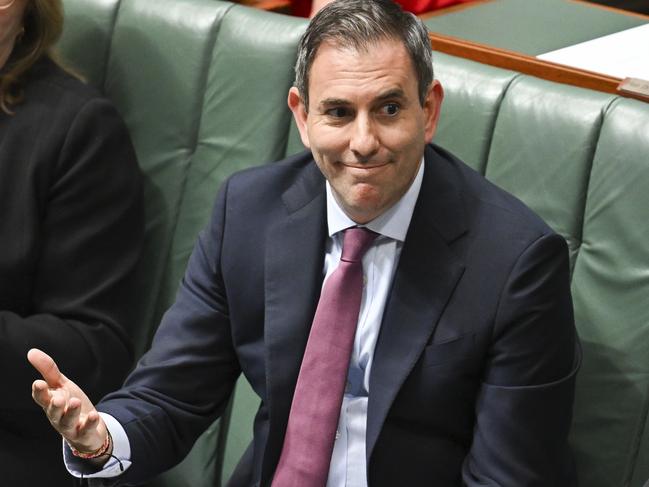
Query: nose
[[364, 142]]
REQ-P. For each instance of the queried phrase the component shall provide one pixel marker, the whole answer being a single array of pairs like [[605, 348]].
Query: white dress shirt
[[348, 466]]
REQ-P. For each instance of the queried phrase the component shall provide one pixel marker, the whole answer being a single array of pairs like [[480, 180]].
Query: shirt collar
[[392, 223]]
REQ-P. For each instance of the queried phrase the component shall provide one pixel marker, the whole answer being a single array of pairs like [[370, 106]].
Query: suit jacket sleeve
[[183, 383], [524, 407]]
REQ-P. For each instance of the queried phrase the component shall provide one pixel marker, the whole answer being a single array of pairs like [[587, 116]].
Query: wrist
[[104, 450]]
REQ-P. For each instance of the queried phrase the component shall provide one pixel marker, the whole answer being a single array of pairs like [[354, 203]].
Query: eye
[[338, 112], [390, 109]]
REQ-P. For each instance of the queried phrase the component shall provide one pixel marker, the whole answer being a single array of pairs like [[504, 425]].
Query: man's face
[[365, 124]]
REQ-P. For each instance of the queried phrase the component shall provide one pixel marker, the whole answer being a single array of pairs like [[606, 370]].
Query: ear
[[432, 107], [296, 104]]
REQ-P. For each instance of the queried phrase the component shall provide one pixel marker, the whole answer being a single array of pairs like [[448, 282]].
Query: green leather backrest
[[555, 129], [581, 160], [87, 37], [473, 93], [611, 291], [202, 86], [561, 165]]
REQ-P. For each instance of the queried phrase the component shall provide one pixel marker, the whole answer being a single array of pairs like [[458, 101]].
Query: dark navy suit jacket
[[473, 375]]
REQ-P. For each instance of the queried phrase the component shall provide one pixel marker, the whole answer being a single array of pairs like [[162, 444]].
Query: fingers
[[69, 420], [86, 432], [46, 367], [41, 393], [66, 416], [68, 409], [90, 424], [57, 407]]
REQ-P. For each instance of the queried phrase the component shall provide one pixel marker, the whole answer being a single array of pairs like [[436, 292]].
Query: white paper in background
[[621, 55]]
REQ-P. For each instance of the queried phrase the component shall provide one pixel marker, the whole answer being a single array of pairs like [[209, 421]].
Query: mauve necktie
[[315, 410]]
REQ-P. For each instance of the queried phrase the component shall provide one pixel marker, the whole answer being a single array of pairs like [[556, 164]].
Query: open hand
[[67, 407]]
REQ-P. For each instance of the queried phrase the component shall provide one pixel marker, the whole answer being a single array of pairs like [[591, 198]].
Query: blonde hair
[[42, 27]]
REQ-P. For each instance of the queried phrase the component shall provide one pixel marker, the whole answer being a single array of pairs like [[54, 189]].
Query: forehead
[[383, 63]]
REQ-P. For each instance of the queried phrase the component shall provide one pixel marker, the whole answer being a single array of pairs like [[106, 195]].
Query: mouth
[[367, 166]]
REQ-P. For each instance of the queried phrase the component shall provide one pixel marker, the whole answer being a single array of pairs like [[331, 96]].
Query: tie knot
[[356, 241]]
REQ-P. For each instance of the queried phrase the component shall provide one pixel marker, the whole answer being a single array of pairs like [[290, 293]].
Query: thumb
[[46, 367]]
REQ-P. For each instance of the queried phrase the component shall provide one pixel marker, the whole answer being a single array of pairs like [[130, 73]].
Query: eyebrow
[[390, 94], [329, 102]]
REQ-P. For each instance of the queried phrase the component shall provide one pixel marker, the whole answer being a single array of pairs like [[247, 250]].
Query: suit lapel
[[427, 273], [293, 279]]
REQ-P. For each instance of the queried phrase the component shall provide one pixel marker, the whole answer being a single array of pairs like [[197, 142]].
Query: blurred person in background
[[71, 230]]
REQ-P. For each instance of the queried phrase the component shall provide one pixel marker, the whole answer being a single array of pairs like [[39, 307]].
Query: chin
[[362, 210]]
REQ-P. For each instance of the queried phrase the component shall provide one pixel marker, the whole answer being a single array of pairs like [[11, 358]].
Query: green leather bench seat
[[611, 289], [532, 27], [202, 86]]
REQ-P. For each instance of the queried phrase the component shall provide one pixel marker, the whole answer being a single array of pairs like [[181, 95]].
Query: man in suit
[[463, 359]]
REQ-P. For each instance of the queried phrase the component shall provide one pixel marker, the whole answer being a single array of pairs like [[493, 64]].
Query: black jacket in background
[[71, 231]]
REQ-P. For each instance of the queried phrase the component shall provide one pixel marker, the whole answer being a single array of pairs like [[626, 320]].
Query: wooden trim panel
[[525, 64]]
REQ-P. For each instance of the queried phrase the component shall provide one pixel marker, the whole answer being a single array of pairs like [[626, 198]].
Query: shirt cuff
[[121, 450]]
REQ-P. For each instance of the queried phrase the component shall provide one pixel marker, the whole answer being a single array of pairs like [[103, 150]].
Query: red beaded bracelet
[[99, 452]]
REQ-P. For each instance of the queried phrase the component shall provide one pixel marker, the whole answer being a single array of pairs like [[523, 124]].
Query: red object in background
[[421, 6], [302, 8]]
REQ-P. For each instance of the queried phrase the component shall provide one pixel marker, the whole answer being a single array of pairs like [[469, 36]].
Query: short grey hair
[[358, 24]]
